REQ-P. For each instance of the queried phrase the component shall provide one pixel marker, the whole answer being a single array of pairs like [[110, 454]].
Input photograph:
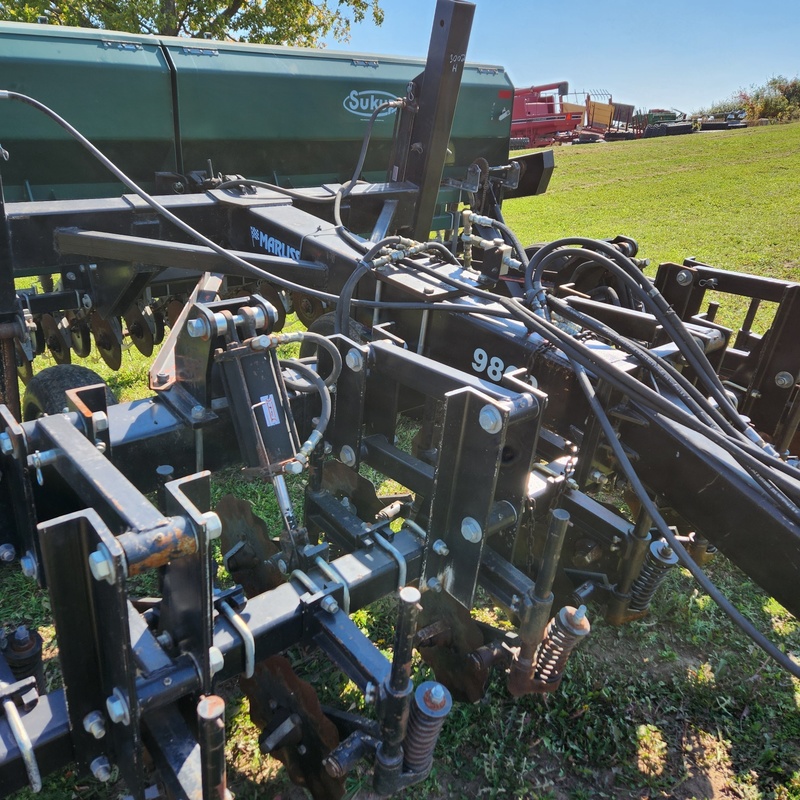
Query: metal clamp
[[247, 637], [417, 530], [334, 575], [402, 572], [24, 744], [328, 603]]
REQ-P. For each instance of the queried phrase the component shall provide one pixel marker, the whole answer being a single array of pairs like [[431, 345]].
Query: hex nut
[[6, 445], [440, 548], [94, 723], [7, 553], [101, 769], [329, 604]]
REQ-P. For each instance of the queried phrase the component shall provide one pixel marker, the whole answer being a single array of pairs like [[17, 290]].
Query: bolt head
[[7, 553], [117, 708], [347, 456], [684, 277], [213, 525], [490, 419], [6, 445], [435, 585], [101, 566], [293, 467], [471, 530], [282, 567], [783, 380], [198, 412], [28, 565], [100, 420], [197, 328], [354, 360]]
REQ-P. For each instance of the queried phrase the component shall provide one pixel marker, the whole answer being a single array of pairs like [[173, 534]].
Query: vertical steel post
[[397, 690], [211, 728], [9, 387], [433, 121]]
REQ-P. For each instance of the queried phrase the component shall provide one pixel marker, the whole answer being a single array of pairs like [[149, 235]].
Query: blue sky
[[649, 53]]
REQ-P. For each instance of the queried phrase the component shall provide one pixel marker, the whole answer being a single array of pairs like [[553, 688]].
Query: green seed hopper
[[168, 106]]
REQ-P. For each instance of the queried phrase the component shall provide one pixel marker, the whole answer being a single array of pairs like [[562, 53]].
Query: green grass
[[730, 198], [678, 705]]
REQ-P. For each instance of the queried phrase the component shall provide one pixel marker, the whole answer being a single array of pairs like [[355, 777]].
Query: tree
[[297, 22]]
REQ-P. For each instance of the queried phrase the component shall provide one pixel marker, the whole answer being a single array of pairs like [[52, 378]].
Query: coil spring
[[23, 654], [660, 559], [562, 635], [431, 704]]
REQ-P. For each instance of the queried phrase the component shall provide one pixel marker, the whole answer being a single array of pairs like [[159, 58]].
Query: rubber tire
[[46, 391], [326, 326]]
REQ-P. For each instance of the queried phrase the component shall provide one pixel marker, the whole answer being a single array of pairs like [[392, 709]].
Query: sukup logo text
[[362, 104]]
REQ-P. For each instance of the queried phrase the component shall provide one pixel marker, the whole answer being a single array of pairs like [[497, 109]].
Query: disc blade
[[55, 340], [139, 331], [108, 339]]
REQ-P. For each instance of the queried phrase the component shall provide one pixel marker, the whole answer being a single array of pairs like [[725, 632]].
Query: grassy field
[[678, 705], [730, 198]]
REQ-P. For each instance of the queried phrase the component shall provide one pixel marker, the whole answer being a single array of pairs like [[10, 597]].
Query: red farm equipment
[[540, 114]]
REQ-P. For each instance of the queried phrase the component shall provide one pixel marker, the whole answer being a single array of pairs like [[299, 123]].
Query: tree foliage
[[778, 99], [297, 22]]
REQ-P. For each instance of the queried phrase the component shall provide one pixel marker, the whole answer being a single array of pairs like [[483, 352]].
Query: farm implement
[[530, 378]]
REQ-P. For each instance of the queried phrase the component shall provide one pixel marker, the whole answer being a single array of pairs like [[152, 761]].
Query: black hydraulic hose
[[341, 324], [320, 341], [740, 449], [513, 239], [702, 579], [315, 383], [345, 189], [687, 392], [621, 265]]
